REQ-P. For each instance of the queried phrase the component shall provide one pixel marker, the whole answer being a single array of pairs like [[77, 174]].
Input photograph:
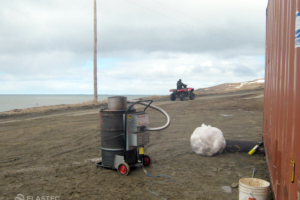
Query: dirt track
[[54, 155]]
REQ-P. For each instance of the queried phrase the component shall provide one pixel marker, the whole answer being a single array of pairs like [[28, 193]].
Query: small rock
[[234, 185], [226, 189]]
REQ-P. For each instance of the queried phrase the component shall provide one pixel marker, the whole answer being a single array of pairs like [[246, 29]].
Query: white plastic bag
[[207, 140]]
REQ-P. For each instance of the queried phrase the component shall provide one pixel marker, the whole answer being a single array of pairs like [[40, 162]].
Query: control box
[[135, 130]]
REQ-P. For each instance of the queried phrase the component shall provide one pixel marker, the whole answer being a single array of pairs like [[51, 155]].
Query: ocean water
[[11, 102]]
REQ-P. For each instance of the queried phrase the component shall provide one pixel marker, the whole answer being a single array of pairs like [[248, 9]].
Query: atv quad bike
[[182, 94]]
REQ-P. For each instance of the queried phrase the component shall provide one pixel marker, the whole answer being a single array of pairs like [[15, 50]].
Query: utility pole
[[95, 52]]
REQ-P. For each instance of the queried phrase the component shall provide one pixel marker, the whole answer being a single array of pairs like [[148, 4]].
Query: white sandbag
[[207, 140]]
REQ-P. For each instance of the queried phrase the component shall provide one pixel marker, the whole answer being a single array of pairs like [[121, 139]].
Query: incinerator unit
[[124, 133]]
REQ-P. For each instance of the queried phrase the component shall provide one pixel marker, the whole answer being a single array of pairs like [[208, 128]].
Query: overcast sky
[[144, 46]]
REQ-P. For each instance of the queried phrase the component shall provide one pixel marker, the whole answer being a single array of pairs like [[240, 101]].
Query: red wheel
[[146, 160], [123, 169]]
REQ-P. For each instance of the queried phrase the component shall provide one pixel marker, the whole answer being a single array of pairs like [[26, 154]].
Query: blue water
[[10, 102]]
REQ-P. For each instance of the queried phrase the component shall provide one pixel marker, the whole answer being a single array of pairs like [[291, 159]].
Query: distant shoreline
[[15, 103], [35, 107], [51, 108]]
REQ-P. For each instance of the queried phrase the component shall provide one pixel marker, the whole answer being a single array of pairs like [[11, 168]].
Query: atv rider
[[180, 84]]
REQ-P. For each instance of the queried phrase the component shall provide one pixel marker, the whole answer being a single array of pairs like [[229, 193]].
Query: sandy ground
[[55, 154]]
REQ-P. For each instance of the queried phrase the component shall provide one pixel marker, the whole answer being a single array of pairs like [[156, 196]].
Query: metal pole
[[95, 52]]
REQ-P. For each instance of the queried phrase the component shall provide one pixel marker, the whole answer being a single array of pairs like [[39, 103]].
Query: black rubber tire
[[146, 160], [123, 169], [182, 96], [192, 96], [173, 97]]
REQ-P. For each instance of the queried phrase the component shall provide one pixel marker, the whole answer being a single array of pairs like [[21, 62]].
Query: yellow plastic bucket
[[253, 189]]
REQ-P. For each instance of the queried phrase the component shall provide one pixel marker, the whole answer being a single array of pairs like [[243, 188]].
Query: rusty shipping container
[[281, 132]]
